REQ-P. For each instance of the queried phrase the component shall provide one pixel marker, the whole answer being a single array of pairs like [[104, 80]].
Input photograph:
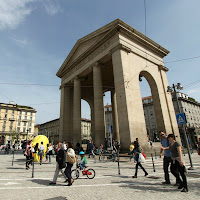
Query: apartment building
[[16, 122], [51, 130], [188, 105]]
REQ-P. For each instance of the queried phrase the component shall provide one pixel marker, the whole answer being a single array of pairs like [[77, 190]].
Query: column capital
[[120, 47], [63, 85], [96, 64]]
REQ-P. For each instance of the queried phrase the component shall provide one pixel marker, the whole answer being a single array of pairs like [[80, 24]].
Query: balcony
[[25, 120], [12, 119]]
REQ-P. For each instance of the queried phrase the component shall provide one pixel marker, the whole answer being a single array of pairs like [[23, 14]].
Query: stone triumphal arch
[[113, 58]]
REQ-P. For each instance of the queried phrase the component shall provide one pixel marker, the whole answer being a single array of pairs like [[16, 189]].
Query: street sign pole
[[184, 132]]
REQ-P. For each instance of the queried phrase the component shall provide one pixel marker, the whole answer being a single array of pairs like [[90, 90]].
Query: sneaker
[[146, 174], [52, 183], [184, 190], [180, 187], [166, 183], [134, 176]]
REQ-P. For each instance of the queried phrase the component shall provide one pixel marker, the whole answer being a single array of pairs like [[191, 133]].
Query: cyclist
[[82, 163]]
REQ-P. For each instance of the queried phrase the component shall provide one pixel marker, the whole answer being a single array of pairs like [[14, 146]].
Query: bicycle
[[90, 173]]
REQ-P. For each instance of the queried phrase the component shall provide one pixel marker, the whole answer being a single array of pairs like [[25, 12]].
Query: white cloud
[[51, 7], [13, 12]]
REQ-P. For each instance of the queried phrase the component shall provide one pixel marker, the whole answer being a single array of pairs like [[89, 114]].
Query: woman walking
[[138, 162], [177, 162], [70, 155]]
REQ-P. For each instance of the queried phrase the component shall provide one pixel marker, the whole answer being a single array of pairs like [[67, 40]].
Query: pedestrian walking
[[41, 151], [70, 159], [28, 154], [167, 158], [60, 163], [177, 162], [49, 152], [138, 151]]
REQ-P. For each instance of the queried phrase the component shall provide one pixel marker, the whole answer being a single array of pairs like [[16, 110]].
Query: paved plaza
[[17, 183]]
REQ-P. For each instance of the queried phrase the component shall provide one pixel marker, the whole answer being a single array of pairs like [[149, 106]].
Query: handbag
[[141, 158], [71, 159]]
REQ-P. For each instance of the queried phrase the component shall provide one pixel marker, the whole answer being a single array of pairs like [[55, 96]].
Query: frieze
[[89, 58]]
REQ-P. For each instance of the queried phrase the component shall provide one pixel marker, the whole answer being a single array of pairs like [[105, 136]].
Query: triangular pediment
[[83, 44], [86, 43]]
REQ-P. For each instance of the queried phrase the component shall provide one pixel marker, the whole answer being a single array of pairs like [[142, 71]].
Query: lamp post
[[173, 89], [27, 135]]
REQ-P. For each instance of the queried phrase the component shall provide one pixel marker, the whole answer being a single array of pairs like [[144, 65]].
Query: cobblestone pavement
[[17, 183]]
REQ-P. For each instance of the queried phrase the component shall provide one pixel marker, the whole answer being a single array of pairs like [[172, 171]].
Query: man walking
[[167, 157], [60, 163]]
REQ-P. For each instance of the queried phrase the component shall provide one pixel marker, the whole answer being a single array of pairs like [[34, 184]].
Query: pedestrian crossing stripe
[[180, 119]]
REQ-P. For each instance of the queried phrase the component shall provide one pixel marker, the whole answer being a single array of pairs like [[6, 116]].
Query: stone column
[[98, 105], [129, 101], [115, 116], [77, 111], [65, 110]]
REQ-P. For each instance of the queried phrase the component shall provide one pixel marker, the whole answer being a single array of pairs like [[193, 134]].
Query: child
[[83, 160]]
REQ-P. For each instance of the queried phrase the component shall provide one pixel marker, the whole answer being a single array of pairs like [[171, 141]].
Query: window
[[19, 123], [24, 129], [20, 112], [3, 128], [25, 117], [31, 114], [10, 128], [18, 129], [6, 111], [24, 123], [30, 118], [4, 123], [11, 123], [20, 117], [29, 130], [5, 115], [25, 113], [13, 111], [12, 117], [30, 124]]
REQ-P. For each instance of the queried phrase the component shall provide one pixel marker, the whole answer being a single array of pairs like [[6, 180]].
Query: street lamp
[[27, 135], [173, 89]]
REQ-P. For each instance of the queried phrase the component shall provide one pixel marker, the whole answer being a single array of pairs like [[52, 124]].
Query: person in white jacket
[[68, 171]]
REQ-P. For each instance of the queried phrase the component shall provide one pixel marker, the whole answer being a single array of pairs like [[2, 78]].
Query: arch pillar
[[99, 120], [77, 111], [65, 114], [128, 97]]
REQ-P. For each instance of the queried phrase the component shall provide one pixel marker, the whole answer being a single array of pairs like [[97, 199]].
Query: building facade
[[51, 130], [188, 105], [16, 122]]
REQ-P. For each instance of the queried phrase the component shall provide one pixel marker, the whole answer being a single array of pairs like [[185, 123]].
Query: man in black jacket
[[60, 159]]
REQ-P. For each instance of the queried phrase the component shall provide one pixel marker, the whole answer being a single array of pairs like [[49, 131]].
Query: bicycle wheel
[[75, 174], [90, 173]]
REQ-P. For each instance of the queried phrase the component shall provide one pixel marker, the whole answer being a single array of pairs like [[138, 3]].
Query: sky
[[37, 35]]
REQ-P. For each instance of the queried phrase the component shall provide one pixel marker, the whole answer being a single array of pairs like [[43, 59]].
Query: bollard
[[33, 167], [118, 162], [153, 163], [13, 157]]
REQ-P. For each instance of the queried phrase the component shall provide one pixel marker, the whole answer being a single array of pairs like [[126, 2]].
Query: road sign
[[181, 118]]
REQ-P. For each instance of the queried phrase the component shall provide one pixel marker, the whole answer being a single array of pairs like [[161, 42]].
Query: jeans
[[139, 164], [176, 169], [166, 163], [81, 166], [68, 171], [48, 155]]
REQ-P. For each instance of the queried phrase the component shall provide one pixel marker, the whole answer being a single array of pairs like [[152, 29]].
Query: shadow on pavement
[[147, 186], [57, 198]]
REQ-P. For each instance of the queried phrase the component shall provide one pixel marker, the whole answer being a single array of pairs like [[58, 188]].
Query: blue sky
[[37, 35]]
